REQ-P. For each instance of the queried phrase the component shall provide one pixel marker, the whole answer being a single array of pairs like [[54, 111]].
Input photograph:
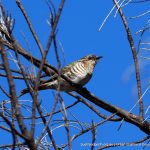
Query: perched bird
[[79, 72]]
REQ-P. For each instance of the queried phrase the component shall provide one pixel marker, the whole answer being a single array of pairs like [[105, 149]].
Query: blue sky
[[113, 79]]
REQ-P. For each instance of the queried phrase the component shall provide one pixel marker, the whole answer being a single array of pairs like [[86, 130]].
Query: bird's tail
[[24, 91], [43, 86]]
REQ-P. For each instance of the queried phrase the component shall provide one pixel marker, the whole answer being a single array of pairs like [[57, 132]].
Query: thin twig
[[48, 122], [93, 135], [30, 26]]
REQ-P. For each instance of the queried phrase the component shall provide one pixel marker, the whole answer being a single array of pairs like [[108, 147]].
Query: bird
[[78, 72]]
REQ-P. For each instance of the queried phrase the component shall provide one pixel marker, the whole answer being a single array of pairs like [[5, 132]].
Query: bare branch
[[125, 144], [30, 26], [134, 54]]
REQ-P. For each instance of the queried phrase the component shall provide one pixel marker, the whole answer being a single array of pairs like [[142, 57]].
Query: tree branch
[[134, 54]]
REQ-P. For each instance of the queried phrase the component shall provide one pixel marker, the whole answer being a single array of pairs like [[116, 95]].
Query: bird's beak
[[99, 57]]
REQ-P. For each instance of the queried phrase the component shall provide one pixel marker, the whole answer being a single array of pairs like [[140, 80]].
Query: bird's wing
[[67, 68], [75, 78], [52, 78], [64, 71]]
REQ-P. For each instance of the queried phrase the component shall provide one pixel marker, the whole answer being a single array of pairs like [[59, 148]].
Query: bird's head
[[90, 61]]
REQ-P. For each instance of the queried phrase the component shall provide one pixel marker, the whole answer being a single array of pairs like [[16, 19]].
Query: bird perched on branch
[[78, 72]]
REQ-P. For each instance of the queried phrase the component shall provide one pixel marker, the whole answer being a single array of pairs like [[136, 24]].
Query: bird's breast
[[86, 79]]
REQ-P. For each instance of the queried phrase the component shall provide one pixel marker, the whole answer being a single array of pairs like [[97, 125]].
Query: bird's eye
[[90, 57]]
